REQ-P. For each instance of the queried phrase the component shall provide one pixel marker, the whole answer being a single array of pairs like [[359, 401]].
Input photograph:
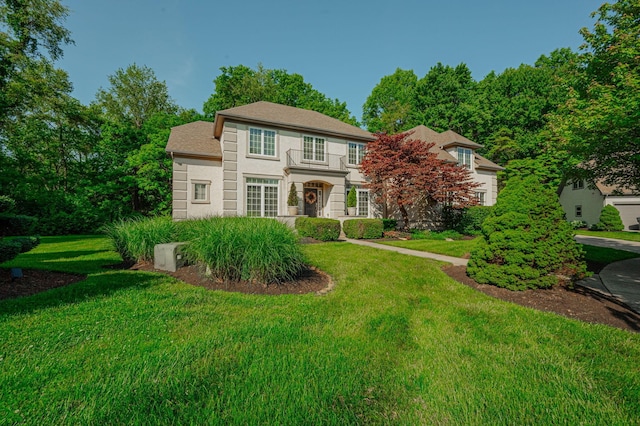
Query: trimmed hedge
[[363, 228], [9, 249], [318, 228]]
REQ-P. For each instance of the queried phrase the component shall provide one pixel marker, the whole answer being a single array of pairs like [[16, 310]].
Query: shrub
[[363, 228], [318, 228], [243, 248], [16, 224], [577, 224], [135, 239], [389, 224], [610, 219], [27, 243], [292, 199], [7, 204], [352, 197], [471, 220], [526, 243], [9, 249]]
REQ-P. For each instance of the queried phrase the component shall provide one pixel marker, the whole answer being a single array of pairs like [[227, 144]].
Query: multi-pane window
[[200, 191], [363, 202], [579, 184], [480, 198], [313, 148], [578, 211], [355, 153], [262, 197], [464, 157], [262, 142]]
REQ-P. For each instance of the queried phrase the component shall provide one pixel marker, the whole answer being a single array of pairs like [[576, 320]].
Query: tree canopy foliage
[[404, 172], [241, 85], [599, 122]]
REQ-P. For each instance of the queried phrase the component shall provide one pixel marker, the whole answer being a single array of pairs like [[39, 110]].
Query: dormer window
[[465, 157]]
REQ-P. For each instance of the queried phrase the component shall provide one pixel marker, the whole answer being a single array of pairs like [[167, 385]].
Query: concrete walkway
[[453, 260], [620, 280]]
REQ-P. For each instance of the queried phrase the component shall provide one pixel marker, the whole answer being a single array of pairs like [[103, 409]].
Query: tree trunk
[[405, 217]]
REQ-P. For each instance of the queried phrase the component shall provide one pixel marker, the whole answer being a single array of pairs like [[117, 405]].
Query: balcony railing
[[331, 162]]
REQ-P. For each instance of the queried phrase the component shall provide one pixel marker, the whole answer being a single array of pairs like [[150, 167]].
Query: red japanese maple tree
[[402, 171]]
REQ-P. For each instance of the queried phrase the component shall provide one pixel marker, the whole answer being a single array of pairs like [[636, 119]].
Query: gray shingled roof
[[194, 139], [449, 138], [271, 114]]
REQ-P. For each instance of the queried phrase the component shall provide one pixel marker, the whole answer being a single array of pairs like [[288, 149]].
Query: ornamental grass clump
[[526, 242], [243, 248], [135, 239]]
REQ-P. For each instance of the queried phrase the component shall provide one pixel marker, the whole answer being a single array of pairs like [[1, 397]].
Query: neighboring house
[[582, 201], [245, 161], [454, 148]]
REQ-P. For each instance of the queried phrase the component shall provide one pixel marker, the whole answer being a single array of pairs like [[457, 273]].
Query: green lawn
[[396, 342], [619, 235], [456, 248]]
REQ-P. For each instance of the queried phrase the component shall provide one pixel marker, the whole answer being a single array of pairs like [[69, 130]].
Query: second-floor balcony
[[308, 160]]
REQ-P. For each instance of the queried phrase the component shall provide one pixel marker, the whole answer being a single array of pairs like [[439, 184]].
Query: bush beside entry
[[318, 228], [363, 228], [526, 243]]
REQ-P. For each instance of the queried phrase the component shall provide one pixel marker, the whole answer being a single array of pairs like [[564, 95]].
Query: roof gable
[[268, 113], [195, 139], [448, 139]]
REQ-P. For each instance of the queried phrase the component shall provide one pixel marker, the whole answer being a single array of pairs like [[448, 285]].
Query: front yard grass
[[456, 248], [397, 341], [618, 235]]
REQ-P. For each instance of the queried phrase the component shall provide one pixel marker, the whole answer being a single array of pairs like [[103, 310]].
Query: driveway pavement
[[619, 279]]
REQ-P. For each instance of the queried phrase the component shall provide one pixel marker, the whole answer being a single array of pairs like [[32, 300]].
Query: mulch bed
[[33, 281], [312, 280], [578, 302]]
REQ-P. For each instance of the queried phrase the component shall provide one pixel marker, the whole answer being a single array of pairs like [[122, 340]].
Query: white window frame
[[194, 192], [317, 155], [465, 157], [265, 187], [481, 197], [578, 211], [362, 208], [261, 148], [578, 184], [355, 151]]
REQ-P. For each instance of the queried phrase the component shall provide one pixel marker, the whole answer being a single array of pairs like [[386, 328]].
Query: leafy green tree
[[599, 122], [134, 95], [390, 104], [442, 99], [242, 85], [526, 242], [31, 31]]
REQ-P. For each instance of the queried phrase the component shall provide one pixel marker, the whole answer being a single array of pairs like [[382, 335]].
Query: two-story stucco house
[[245, 161]]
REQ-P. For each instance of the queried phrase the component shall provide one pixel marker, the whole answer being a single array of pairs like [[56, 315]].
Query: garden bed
[[577, 303]]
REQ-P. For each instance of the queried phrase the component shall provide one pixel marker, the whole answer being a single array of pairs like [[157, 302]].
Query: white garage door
[[628, 214]]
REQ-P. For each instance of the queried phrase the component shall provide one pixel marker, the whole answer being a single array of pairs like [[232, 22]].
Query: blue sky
[[342, 48]]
